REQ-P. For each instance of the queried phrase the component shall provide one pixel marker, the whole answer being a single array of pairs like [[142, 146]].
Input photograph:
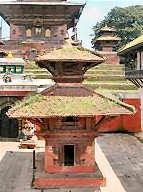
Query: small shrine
[[105, 43], [68, 115]]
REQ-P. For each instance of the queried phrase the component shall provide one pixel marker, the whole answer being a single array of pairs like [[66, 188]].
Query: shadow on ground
[[125, 155]]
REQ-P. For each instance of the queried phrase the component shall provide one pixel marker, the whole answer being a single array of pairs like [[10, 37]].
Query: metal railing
[[133, 73]]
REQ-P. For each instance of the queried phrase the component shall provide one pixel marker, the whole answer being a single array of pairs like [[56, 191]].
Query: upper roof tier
[[41, 12], [108, 38], [106, 28], [107, 34], [69, 64], [70, 54]]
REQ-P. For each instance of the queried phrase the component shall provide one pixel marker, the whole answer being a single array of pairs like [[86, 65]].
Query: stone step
[[105, 77], [35, 71], [110, 66], [113, 86], [105, 72], [31, 66]]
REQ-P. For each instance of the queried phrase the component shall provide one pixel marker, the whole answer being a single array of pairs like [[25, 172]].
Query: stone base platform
[[51, 183], [44, 180]]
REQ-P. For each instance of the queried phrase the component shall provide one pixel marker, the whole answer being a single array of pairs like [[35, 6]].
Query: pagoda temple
[[38, 25], [68, 115], [105, 43]]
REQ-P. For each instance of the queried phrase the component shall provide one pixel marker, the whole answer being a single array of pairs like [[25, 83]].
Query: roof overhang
[[49, 13], [130, 49], [39, 106]]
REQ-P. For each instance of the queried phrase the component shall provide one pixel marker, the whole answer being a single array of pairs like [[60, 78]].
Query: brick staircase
[[108, 76], [31, 69]]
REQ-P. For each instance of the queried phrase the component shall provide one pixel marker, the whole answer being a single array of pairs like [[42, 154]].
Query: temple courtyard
[[119, 156]]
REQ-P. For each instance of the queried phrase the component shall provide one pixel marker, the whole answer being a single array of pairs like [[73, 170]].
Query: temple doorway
[[69, 156], [8, 127]]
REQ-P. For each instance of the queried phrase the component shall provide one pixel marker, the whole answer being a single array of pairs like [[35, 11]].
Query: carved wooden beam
[[103, 120]]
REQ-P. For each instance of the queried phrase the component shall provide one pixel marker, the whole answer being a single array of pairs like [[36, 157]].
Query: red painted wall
[[130, 123], [133, 122]]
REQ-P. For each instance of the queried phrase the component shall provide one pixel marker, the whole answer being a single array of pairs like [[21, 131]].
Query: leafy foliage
[[127, 21]]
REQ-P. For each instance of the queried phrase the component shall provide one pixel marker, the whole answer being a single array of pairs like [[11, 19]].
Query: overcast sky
[[94, 11]]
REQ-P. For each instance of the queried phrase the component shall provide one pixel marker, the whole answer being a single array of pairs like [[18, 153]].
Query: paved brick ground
[[125, 155], [123, 152], [16, 171]]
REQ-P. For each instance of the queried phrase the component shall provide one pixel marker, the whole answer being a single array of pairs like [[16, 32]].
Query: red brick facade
[[129, 123]]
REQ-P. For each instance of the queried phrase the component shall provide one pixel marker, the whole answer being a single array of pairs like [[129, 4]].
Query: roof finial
[[10, 55]]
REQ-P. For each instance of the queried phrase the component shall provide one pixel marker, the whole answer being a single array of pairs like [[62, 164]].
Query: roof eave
[[75, 115], [125, 51]]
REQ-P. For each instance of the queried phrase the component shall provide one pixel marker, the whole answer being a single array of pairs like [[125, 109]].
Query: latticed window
[[47, 33], [38, 31], [28, 33], [70, 122]]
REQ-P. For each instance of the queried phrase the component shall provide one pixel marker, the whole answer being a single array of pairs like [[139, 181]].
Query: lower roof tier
[[40, 106]]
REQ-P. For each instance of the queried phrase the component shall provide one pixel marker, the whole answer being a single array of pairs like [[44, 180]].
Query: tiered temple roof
[[19, 12], [70, 54], [108, 38], [107, 29], [40, 106], [107, 34], [69, 99]]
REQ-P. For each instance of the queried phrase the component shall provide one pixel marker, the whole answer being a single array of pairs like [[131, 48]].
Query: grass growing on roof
[[131, 44], [115, 99], [70, 53], [39, 105], [29, 100], [73, 51]]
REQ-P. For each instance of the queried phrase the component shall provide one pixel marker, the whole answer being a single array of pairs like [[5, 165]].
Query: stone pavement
[[125, 155], [16, 171], [120, 157]]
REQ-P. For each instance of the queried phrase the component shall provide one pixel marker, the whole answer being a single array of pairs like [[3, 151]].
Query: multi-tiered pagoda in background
[[105, 43]]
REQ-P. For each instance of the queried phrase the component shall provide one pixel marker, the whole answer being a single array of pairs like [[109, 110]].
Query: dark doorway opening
[[69, 155], [8, 127]]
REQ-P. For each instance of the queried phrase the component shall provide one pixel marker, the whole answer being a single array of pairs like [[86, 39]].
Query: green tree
[[127, 21]]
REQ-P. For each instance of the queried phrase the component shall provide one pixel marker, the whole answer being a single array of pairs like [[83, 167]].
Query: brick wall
[[129, 123], [84, 156]]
